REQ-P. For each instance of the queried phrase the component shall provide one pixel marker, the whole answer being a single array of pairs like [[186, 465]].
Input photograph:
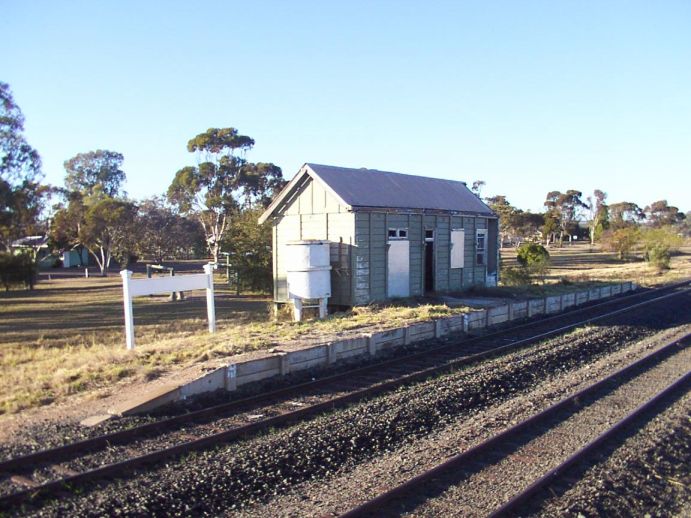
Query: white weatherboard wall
[[323, 355], [157, 285]]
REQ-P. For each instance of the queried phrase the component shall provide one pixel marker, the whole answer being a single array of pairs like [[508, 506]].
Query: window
[[480, 247], [398, 233], [429, 235]]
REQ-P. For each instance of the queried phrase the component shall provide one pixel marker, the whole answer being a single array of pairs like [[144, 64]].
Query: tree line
[[655, 230], [212, 207], [209, 209], [568, 214]]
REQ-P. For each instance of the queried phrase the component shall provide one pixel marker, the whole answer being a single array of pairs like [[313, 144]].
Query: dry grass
[[66, 337], [579, 265]]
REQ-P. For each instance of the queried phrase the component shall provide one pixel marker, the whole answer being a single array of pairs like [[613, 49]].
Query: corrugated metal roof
[[373, 188]]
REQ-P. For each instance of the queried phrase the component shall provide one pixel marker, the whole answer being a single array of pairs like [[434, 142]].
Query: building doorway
[[429, 261]]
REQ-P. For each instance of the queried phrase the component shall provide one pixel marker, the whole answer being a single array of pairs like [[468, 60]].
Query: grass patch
[[66, 337]]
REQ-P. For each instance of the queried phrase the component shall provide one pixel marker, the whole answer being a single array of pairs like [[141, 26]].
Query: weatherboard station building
[[389, 234]]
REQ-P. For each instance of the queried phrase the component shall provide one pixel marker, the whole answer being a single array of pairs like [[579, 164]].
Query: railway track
[[45, 473], [471, 470]]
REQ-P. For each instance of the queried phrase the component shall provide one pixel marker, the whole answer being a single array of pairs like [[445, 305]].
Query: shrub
[[518, 276], [17, 270], [529, 254], [665, 237], [659, 257], [534, 259], [658, 246], [622, 241]]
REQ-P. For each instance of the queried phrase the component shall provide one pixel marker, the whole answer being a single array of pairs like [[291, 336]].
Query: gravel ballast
[[234, 476]]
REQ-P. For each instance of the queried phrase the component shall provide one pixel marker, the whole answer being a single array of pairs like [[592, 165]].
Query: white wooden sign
[[157, 285]]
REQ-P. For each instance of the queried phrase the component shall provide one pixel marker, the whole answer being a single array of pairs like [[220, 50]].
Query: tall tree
[[660, 213], [66, 223], [162, 233], [222, 182], [625, 214], [565, 208], [249, 247], [500, 205], [95, 173], [477, 187], [21, 194], [95, 214], [599, 214], [526, 225], [108, 231]]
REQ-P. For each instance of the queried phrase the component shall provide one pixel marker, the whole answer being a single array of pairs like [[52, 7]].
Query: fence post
[[210, 307], [127, 301]]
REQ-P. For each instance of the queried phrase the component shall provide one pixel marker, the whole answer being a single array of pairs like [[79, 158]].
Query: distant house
[[77, 256], [391, 234], [35, 245]]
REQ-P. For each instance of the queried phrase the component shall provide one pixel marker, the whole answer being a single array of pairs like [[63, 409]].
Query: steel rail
[[511, 507], [374, 506], [63, 452], [130, 464]]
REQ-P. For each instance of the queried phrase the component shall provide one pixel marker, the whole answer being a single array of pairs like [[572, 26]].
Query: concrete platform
[[232, 372], [475, 302]]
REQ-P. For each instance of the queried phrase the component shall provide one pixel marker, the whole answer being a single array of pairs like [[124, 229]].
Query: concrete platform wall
[[280, 364]]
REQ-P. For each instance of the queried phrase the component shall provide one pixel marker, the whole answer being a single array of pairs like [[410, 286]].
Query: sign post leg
[[127, 301], [210, 306]]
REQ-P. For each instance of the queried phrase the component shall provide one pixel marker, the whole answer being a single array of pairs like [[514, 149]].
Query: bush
[[519, 276], [17, 270], [622, 241], [665, 237], [534, 259], [659, 257], [529, 254]]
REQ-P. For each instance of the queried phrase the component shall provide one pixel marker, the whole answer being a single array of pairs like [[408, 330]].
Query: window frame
[[400, 233], [481, 252]]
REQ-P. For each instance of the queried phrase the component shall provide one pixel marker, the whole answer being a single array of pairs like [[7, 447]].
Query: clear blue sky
[[528, 96]]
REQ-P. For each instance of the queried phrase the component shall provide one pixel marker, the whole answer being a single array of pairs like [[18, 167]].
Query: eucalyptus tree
[[95, 213], [661, 213], [108, 231], [95, 173], [599, 214], [222, 183], [501, 206], [21, 193], [161, 233], [625, 214], [565, 209]]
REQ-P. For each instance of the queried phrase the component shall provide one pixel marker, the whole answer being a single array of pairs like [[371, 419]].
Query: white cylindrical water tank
[[308, 269]]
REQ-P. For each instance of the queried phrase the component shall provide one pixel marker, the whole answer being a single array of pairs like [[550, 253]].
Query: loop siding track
[[378, 505], [362, 382]]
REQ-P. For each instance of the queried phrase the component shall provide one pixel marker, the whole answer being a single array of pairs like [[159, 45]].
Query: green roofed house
[[389, 234]]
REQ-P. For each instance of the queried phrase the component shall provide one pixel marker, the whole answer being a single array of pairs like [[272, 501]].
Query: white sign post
[[138, 287]]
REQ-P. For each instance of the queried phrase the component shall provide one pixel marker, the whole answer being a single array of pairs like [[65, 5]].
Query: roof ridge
[[312, 164]]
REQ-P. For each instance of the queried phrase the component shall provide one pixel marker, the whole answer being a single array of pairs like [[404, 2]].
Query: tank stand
[[298, 306]]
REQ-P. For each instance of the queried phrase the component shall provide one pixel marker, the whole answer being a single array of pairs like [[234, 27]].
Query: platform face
[[475, 302]]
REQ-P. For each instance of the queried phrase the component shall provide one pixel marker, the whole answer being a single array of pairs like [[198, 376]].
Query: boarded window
[[457, 248]]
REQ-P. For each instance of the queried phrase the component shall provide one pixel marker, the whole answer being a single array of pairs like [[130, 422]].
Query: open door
[[429, 261]]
